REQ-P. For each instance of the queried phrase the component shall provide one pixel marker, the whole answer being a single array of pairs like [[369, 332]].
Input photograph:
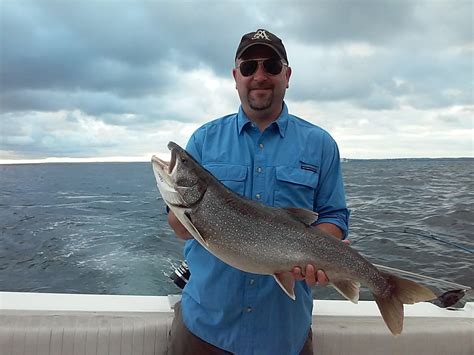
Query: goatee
[[260, 102]]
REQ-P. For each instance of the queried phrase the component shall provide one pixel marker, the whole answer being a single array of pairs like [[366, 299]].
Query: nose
[[260, 73]]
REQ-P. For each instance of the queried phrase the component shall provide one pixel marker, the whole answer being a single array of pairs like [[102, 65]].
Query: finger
[[297, 274], [322, 278], [310, 276], [346, 241]]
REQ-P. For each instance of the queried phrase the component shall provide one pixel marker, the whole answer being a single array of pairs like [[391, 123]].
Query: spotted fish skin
[[261, 239]]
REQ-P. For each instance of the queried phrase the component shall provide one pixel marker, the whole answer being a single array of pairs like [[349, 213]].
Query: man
[[268, 155]]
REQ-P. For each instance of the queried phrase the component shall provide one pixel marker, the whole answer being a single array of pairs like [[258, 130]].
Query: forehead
[[258, 51]]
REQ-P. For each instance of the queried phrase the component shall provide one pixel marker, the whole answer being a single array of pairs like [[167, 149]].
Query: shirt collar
[[281, 122]]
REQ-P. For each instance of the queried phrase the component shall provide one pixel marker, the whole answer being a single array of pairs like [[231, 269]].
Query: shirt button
[[252, 281], [258, 196], [259, 170], [249, 309], [260, 146]]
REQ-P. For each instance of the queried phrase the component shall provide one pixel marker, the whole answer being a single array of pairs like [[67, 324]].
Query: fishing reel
[[181, 274]]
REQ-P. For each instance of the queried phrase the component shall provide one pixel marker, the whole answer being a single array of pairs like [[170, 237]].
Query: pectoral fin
[[348, 288], [186, 222], [286, 281]]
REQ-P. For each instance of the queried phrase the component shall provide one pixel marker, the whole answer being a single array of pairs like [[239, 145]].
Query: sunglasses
[[272, 66]]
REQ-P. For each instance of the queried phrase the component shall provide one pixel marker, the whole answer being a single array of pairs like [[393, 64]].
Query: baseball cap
[[261, 36]]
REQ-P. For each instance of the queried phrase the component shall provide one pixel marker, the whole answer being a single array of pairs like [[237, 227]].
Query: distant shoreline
[[343, 160]]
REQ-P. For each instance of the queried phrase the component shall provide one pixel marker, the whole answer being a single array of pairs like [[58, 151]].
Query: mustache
[[261, 86]]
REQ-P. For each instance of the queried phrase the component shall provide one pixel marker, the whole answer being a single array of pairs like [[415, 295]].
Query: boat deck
[[138, 325]]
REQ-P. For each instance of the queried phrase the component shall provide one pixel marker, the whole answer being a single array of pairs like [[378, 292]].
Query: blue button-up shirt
[[293, 163]]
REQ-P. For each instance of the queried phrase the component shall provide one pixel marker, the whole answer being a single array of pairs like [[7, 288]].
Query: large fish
[[266, 240]]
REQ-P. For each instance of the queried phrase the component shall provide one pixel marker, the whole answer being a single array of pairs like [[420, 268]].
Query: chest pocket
[[232, 176], [295, 187]]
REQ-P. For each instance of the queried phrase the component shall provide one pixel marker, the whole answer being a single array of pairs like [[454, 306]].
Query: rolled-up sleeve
[[330, 201]]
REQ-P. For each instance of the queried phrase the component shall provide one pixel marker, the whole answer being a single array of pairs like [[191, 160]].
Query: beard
[[260, 101]]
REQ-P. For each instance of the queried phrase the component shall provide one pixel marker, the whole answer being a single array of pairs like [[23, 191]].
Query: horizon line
[[141, 159]]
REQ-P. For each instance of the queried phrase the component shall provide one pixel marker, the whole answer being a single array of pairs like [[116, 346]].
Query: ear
[[234, 74], [288, 74]]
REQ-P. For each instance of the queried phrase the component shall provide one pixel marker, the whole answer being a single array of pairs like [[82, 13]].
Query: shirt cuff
[[337, 222]]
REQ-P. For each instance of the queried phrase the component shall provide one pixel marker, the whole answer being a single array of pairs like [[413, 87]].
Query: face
[[261, 92]]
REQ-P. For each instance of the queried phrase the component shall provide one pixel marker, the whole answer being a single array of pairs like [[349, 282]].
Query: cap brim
[[255, 44]]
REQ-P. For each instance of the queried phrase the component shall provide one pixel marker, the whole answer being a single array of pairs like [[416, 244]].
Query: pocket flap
[[297, 176], [227, 172]]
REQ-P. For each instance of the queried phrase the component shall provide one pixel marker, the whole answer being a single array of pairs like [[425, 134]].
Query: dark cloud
[[383, 23], [339, 21], [109, 45]]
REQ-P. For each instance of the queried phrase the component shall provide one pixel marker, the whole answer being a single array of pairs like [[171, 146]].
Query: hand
[[311, 274], [180, 231]]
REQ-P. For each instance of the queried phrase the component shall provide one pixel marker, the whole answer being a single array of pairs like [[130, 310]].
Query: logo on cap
[[261, 34]]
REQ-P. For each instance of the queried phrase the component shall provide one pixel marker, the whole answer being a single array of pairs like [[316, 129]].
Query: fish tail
[[400, 291]]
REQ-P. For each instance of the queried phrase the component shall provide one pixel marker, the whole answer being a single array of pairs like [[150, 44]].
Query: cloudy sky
[[107, 80]]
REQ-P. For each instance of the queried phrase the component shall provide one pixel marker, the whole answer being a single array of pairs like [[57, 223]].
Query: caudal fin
[[402, 291]]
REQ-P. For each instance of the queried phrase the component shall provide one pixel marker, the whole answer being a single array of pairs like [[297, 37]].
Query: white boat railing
[[67, 324]]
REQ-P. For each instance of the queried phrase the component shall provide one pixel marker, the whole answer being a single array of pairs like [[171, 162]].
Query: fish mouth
[[163, 169], [163, 165]]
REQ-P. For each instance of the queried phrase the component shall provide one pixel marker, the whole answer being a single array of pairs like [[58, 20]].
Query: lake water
[[101, 227]]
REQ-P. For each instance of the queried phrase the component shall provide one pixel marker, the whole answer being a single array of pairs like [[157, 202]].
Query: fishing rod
[[419, 276], [448, 298], [419, 233]]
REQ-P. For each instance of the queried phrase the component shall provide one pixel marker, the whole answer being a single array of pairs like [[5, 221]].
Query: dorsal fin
[[308, 217]]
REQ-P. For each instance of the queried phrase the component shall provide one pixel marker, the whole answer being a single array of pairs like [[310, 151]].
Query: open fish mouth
[[165, 166], [163, 169]]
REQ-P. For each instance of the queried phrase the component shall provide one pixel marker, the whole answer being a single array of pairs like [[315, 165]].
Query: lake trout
[[261, 239]]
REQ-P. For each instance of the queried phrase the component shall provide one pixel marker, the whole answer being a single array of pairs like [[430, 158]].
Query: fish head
[[180, 180]]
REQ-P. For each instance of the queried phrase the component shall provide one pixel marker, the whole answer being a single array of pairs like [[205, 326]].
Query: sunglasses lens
[[248, 67], [273, 66]]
